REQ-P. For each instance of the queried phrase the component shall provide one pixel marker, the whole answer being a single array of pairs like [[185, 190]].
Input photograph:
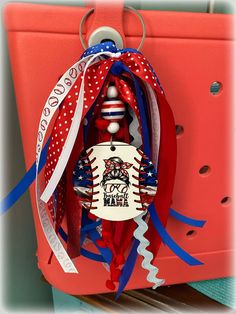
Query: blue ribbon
[[106, 46], [94, 236], [90, 230], [166, 239], [90, 226], [84, 252], [24, 183], [187, 220], [128, 268]]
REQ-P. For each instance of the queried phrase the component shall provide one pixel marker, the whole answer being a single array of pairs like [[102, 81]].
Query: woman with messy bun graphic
[[115, 182]]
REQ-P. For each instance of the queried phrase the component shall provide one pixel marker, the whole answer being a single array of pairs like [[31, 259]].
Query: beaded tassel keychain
[[110, 165]]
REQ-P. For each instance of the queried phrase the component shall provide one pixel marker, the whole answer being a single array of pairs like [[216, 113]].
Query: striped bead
[[113, 110]]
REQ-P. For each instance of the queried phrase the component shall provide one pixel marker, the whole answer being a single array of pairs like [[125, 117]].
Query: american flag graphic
[[82, 180], [83, 184], [148, 176]]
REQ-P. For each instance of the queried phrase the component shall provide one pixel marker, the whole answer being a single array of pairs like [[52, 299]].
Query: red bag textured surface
[[188, 51]]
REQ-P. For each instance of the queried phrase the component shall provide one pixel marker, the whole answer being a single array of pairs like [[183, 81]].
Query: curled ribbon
[[147, 255], [142, 227]]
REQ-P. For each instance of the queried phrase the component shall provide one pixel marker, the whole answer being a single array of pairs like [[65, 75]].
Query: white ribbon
[[155, 124], [70, 140], [56, 97], [142, 224], [147, 255], [53, 102]]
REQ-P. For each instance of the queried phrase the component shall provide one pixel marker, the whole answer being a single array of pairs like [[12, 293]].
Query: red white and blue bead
[[113, 110]]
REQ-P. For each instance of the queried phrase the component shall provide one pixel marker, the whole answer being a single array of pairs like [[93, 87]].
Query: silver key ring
[[87, 14]]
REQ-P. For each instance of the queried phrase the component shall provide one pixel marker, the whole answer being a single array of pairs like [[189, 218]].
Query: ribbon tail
[[187, 220], [166, 238], [106, 253], [24, 183], [128, 268], [94, 236], [146, 254], [84, 252], [130, 263]]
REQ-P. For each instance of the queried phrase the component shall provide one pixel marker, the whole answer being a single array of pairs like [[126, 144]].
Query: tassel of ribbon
[[77, 80], [136, 64]]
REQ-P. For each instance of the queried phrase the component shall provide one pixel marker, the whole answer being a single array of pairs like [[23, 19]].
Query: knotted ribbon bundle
[[75, 106]]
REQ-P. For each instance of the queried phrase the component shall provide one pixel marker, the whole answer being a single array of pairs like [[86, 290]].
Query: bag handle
[[211, 6], [107, 22]]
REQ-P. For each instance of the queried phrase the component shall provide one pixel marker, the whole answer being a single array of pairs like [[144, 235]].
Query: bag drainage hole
[[204, 170], [216, 88], [179, 130], [225, 200], [191, 233]]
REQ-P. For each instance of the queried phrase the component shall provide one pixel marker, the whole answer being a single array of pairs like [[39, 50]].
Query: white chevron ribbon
[[142, 224], [147, 255]]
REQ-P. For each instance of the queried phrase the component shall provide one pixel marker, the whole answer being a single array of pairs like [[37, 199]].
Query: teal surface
[[64, 303], [221, 290]]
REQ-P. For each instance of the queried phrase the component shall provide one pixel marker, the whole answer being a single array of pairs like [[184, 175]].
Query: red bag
[[189, 51]]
